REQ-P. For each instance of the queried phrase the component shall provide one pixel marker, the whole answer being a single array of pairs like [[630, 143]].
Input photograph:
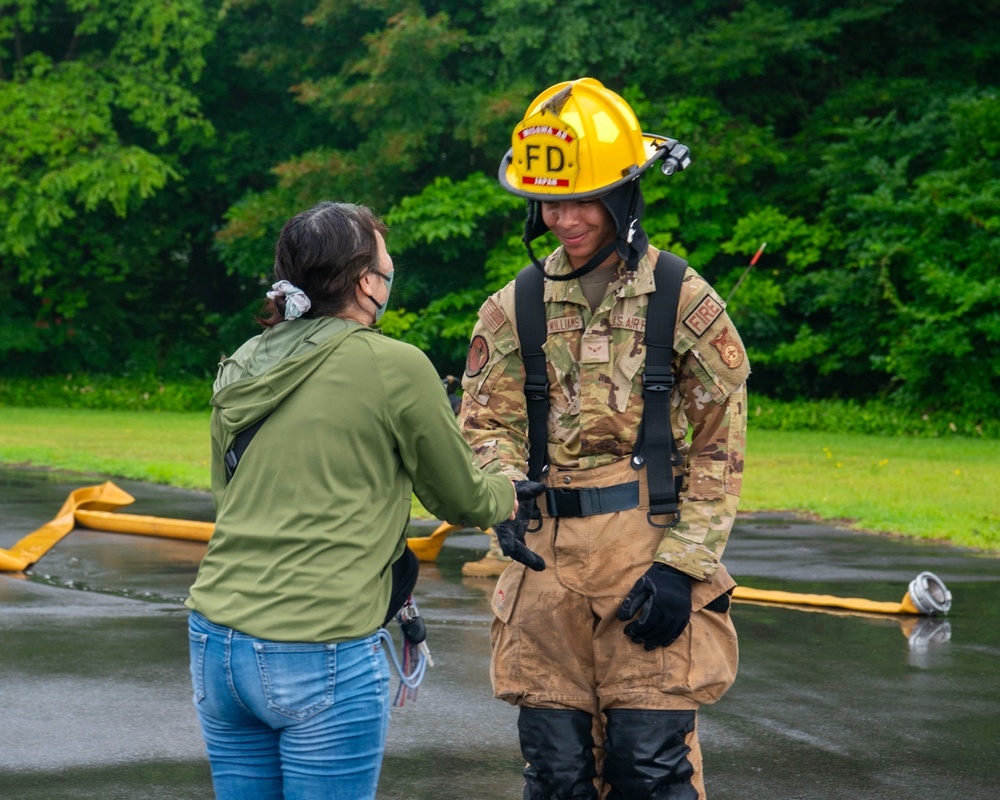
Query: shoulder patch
[[479, 356], [703, 315], [492, 315], [730, 348]]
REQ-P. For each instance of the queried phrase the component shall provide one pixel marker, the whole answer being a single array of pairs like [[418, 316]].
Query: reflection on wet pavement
[[96, 702]]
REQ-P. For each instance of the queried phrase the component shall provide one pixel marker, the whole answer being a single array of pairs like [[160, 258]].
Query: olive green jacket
[[316, 513]]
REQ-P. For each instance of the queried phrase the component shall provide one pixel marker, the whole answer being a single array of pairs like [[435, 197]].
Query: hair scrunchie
[[297, 302]]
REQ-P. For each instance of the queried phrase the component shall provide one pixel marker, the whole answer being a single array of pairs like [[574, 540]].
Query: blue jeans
[[288, 720]]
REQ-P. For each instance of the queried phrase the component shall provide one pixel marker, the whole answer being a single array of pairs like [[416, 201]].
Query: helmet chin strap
[[630, 242], [599, 258]]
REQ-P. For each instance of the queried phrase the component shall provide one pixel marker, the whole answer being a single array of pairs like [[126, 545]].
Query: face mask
[[380, 307]]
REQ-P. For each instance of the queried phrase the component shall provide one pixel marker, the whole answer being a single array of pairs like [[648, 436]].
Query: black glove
[[510, 532], [662, 598]]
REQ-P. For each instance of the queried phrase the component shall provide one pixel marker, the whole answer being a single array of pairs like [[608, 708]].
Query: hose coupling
[[929, 594]]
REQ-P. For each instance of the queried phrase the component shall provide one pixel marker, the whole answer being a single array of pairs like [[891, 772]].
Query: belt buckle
[[565, 502]]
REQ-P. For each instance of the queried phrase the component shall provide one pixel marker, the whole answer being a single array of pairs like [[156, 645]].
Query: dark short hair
[[324, 251]]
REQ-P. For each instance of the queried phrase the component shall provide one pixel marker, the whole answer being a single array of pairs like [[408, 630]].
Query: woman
[[290, 683]]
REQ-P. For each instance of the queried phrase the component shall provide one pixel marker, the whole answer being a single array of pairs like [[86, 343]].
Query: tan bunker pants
[[556, 640]]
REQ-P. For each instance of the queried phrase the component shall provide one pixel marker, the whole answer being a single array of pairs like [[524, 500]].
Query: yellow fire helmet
[[579, 139]]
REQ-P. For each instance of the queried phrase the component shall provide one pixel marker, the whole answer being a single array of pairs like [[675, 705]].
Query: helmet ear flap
[[534, 225], [626, 204]]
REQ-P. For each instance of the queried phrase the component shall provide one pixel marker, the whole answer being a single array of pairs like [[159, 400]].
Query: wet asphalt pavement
[[95, 695]]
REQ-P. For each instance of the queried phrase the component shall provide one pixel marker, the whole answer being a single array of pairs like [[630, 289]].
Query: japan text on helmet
[[579, 140]]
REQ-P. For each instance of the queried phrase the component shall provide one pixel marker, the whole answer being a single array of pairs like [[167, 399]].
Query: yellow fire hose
[[93, 507], [926, 595], [427, 548], [150, 526], [106, 497]]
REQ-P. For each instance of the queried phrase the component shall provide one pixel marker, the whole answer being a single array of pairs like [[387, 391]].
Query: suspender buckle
[[656, 381], [536, 391], [675, 518]]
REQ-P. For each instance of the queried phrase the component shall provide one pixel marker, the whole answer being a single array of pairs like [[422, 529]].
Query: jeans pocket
[[298, 679], [197, 642]]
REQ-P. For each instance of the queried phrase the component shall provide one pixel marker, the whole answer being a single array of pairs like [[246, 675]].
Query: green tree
[[151, 151], [96, 100], [905, 297]]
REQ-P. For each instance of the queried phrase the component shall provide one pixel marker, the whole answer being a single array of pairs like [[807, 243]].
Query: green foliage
[[870, 418], [436, 232], [152, 149], [72, 127], [904, 297], [694, 213], [564, 31], [138, 393], [446, 211], [97, 101], [398, 108]]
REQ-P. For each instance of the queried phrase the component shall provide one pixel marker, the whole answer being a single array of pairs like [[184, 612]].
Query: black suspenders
[[529, 311], [655, 443], [655, 447]]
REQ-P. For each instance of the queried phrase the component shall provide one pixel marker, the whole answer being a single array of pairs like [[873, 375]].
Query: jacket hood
[[266, 369]]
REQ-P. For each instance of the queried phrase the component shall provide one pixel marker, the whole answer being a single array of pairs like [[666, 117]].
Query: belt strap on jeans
[[588, 502]]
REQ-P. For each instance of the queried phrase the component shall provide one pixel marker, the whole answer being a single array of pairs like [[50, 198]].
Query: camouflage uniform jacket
[[595, 364]]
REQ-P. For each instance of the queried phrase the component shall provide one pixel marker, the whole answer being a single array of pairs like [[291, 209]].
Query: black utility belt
[[588, 502]]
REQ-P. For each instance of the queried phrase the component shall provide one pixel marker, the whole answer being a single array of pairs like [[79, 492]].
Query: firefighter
[[612, 616]]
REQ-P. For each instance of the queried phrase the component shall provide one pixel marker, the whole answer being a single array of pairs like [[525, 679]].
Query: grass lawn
[[155, 446], [930, 488]]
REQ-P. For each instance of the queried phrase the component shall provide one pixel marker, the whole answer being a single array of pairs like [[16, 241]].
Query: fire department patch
[[729, 348], [704, 314], [479, 354]]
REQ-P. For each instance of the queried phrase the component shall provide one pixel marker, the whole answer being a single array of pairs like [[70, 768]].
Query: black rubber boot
[[647, 758], [558, 745]]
